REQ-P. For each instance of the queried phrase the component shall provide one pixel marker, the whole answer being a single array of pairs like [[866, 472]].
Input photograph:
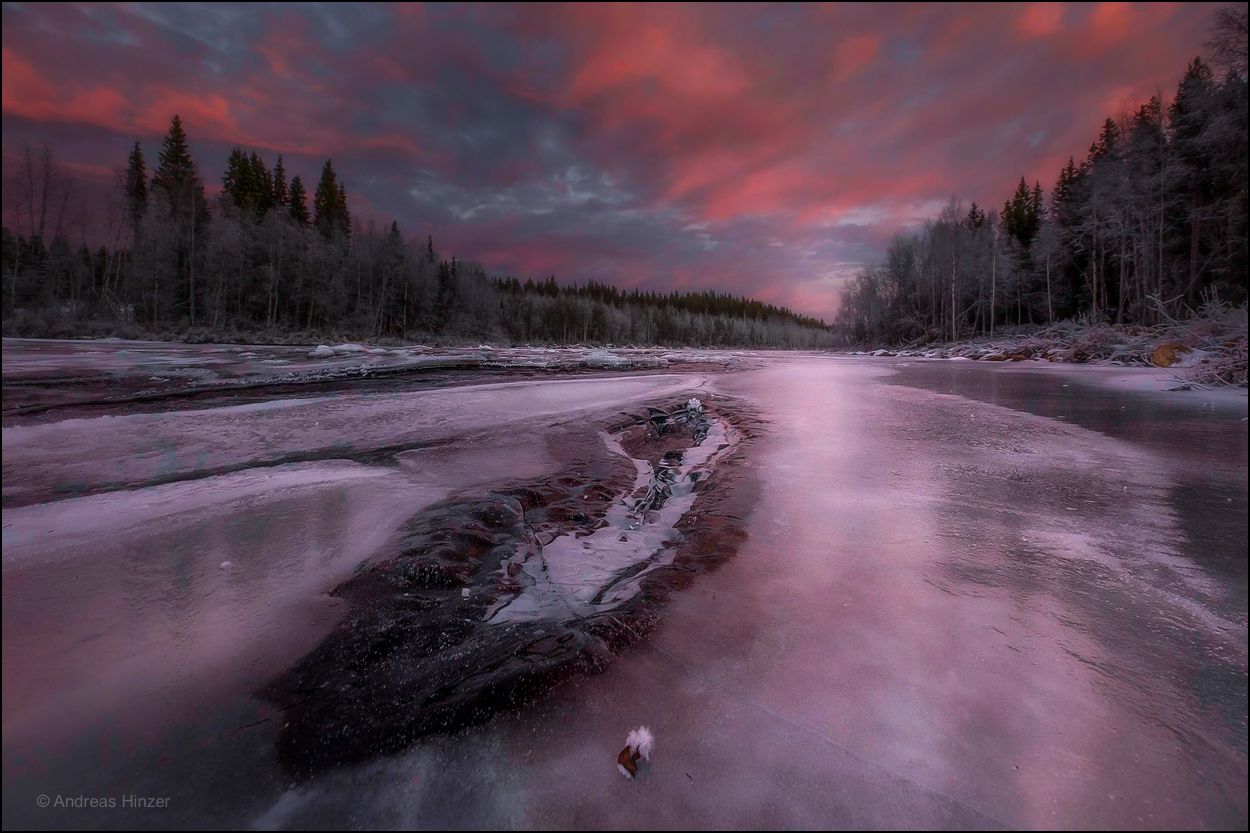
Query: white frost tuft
[[641, 741], [694, 405], [322, 352]]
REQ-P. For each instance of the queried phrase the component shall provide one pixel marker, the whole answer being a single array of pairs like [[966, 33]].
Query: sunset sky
[[761, 150]]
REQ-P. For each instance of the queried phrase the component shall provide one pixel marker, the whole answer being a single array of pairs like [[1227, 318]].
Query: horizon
[[589, 143]]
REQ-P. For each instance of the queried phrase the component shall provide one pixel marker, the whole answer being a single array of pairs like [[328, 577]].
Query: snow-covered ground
[[970, 596], [233, 364]]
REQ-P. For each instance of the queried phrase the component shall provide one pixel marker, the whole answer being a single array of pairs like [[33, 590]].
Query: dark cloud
[[764, 150]]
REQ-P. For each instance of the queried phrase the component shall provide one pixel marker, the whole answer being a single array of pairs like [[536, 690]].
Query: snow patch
[[604, 359], [641, 740]]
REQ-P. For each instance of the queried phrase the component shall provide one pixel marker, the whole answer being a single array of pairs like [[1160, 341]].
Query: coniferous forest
[[1151, 223], [268, 260]]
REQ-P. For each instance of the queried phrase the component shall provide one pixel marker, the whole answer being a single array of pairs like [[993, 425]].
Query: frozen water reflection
[[953, 610]]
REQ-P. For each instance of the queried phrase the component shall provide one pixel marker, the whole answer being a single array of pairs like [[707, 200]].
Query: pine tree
[[136, 187], [299, 202]]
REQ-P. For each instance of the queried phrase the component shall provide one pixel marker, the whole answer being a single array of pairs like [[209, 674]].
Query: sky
[[763, 150]]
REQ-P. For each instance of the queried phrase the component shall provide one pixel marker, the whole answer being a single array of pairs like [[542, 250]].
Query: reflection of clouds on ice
[[944, 613]]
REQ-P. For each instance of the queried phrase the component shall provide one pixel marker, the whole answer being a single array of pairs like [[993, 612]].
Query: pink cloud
[[787, 123], [1040, 19]]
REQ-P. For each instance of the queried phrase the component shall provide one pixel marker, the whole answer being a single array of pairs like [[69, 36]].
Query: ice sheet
[[950, 612]]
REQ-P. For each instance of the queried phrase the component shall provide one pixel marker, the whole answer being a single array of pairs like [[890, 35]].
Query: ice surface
[[916, 632], [82, 455]]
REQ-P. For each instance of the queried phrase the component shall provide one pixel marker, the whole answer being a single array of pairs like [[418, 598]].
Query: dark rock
[[416, 654]]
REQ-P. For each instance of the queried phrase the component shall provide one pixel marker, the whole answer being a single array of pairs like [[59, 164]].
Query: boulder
[[1168, 353]]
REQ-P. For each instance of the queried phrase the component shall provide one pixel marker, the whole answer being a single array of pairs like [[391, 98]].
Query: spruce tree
[[177, 177], [136, 187], [1020, 217], [177, 181], [342, 216], [1107, 141], [1190, 117], [299, 202], [260, 196], [281, 194], [325, 201], [234, 180], [976, 218]]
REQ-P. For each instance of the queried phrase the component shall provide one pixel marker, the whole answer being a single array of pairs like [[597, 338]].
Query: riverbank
[[1203, 352]]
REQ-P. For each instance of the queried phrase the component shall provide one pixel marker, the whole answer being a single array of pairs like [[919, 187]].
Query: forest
[[1151, 225], [268, 261]]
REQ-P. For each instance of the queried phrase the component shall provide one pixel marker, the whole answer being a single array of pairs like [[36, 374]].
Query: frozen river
[[968, 596]]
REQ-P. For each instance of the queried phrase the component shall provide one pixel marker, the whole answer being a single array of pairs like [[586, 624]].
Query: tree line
[[1153, 218], [261, 259]]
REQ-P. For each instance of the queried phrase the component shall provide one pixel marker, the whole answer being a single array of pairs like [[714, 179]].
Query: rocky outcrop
[[417, 654]]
